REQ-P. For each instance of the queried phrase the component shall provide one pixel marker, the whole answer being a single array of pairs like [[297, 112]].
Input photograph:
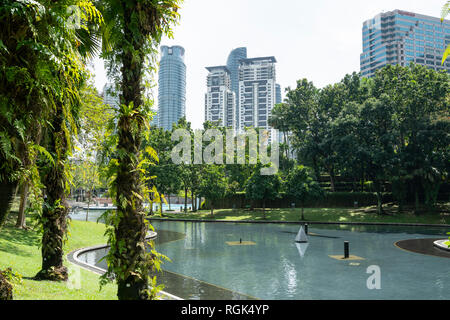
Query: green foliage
[[133, 31], [41, 70], [164, 176], [301, 185], [12, 276], [213, 184], [262, 187], [393, 127]]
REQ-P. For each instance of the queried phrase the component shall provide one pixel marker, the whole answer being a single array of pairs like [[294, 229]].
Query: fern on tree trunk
[[55, 209], [7, 190]]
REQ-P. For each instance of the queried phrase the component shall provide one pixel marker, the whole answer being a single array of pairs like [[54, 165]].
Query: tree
[[42, 71], [62, 130], [27, 49], [85, 164], [85, 175], [301, 185], [166, 173], [135, 28], [183, 169], [195, 173], [213, 184], [278, 120], [262, 187], [376, 141], [420, 98]]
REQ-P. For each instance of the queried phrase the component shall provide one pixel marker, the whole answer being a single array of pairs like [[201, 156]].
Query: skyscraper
[[401, 37], [220, 102], [233, 66], [171, 86], [257, 93]]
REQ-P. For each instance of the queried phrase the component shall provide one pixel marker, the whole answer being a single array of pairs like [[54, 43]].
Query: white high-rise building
[[220, 101], [257, 92]]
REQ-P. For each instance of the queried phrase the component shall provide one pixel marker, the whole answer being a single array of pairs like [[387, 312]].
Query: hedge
[[331, 199]]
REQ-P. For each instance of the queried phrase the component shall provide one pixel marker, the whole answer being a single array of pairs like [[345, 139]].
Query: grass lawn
[[19, 249], [315, 214]]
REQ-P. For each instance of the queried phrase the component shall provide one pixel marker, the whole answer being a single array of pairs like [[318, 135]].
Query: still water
[[262, 261]]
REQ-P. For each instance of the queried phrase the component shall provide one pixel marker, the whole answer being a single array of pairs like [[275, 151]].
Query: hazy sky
[[320, 40]]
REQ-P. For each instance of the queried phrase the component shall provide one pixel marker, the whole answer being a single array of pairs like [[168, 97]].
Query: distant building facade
[[257, 93], [110, 96], [278, 98], [401, 37], [220, 101], [245, 85], [233, 63], [171, 86]]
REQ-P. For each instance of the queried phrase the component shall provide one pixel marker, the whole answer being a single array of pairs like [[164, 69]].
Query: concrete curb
[[73, 258]]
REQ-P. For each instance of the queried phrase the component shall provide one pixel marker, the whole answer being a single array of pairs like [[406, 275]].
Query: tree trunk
[[89, 202], [55, 209], [264, 209], [7, 190], [431, 192], [185, 200], [378, 187], [303, 215], [332, 180], [379, 203], [169, 201], [130, 260], [6, 288], [21, 222], [287, 144]]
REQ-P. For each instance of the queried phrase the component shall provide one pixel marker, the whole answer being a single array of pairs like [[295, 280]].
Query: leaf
[[152, 153], [446, 54]]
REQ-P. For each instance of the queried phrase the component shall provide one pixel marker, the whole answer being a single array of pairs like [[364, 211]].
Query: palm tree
[[19, 85], [59, 135], [135, 28]]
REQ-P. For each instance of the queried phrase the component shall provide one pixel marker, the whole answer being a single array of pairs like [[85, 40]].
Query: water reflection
[[204, 266]]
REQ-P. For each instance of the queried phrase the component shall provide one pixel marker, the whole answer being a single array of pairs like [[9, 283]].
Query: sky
[[319, 40]]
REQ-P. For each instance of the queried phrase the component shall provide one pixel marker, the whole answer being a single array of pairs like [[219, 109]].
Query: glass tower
[[401, 37], [171, 86], [233, 66]]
